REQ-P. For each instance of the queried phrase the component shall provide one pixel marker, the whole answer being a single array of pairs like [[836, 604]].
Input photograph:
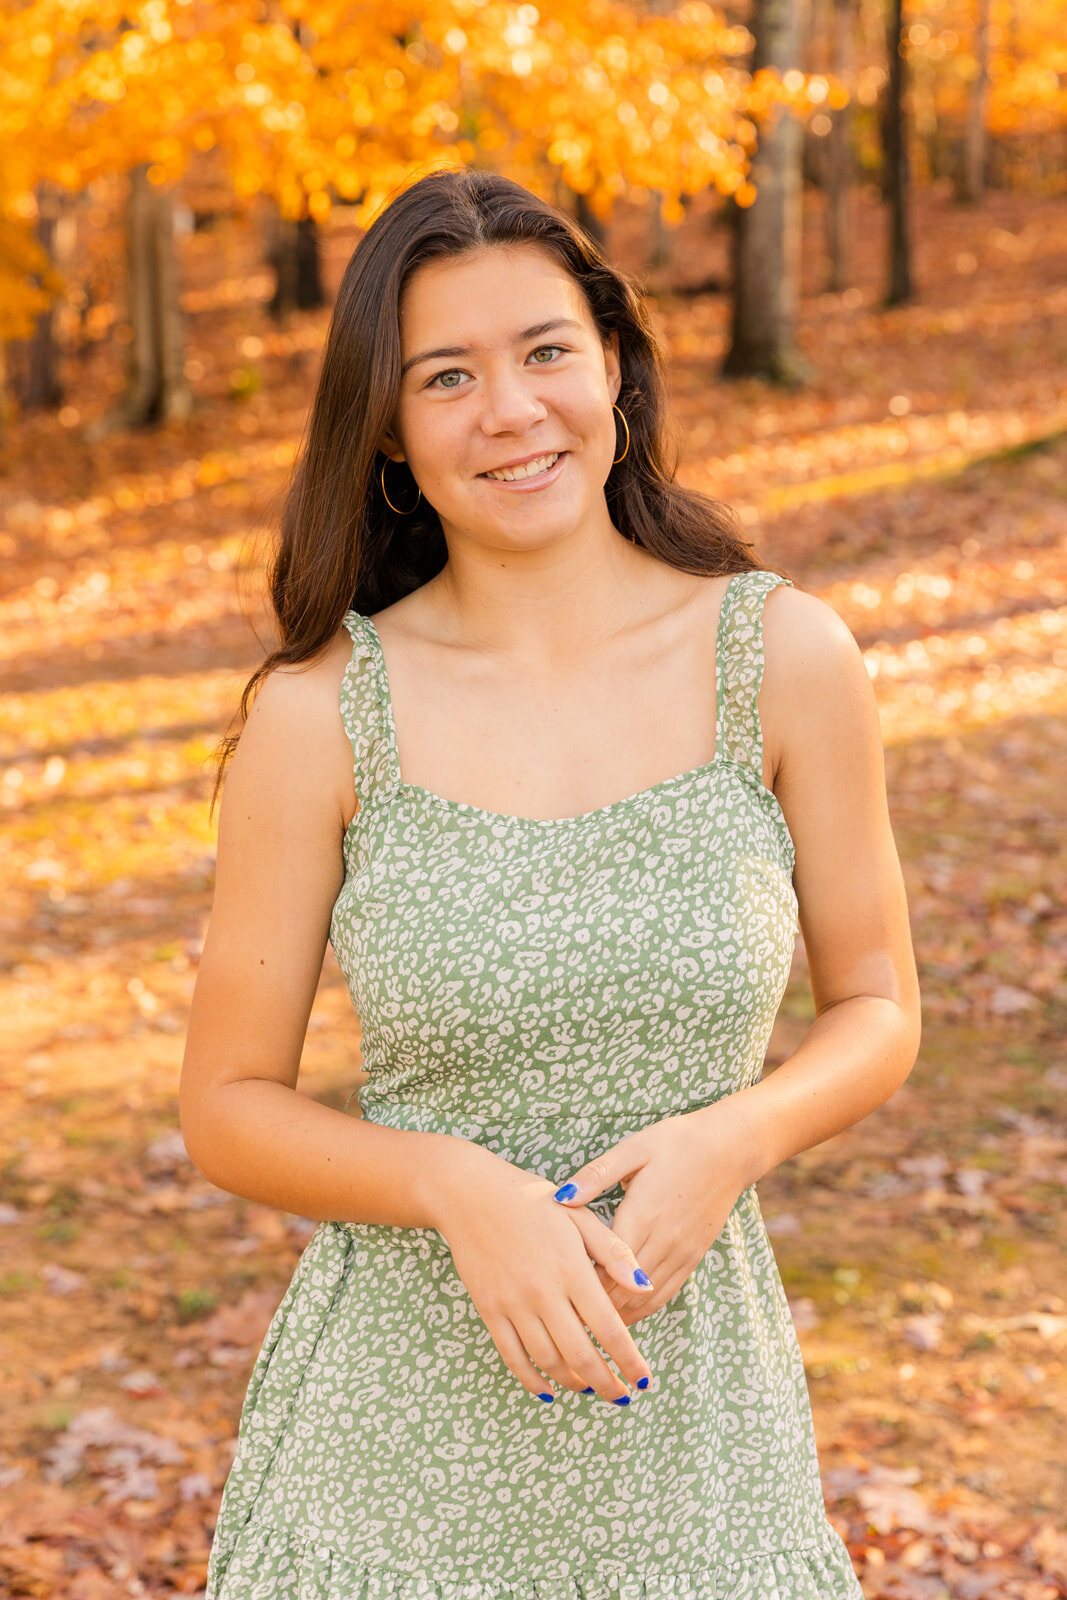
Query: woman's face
[[503, 361]]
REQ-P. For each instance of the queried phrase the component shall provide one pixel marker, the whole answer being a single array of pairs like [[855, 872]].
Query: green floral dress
[[543, 987]]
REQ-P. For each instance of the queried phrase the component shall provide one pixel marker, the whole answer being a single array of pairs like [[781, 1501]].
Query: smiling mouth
[[531, 469]]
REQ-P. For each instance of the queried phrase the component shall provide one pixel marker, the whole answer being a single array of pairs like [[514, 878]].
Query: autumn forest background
[[849, 218]]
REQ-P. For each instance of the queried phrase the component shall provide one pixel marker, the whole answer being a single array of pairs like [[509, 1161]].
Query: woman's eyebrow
[[467, 349]]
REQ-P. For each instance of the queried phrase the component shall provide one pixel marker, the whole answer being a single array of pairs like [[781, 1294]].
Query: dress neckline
[[665, 785]]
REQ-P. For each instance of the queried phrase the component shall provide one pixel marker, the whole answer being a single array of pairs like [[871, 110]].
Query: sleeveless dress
[[543, 987]]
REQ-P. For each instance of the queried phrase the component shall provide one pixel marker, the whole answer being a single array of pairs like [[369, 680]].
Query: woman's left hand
[[681, 1176]]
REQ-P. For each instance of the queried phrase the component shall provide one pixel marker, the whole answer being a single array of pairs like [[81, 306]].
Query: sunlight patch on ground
[[873, 455]]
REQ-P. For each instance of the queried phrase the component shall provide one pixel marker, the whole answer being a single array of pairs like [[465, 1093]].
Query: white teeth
[[530, 470]]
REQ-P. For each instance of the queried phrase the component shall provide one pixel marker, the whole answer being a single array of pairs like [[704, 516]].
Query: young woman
[[554, 763]]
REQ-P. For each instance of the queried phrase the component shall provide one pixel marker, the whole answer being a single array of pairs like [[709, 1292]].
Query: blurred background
[[849, 218]]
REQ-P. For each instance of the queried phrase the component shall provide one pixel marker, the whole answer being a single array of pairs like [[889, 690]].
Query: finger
[[580, 1356], [670, 1287], [621, 1299], [630, 1298], [612, 1252], [546, 1352], [612, 1287], [661, 1259], [603, 1172], [632, 1303], [628, 1294], [674, 1265], [633, 1221], [505, 1336], [608, 1329]]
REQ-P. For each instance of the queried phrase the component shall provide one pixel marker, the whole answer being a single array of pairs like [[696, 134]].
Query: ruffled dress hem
[[272, 1563]]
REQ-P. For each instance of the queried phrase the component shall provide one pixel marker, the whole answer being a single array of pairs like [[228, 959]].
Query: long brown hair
[[339, 546]]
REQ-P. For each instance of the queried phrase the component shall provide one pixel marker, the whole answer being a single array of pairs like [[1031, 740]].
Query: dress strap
[[739, 667], [365, 712]]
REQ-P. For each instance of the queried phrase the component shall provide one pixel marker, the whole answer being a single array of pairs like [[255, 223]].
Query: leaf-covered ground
[[920, 486]]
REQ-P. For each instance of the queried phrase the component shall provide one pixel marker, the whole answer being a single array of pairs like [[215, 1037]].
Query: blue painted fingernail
[[590, 1390], [567, 1192], [623, 1400], [641, 1277], [546, 1397], [642, 1383]]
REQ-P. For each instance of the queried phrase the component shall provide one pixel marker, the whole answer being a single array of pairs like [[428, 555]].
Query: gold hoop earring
[[626, 425], [389, 503]]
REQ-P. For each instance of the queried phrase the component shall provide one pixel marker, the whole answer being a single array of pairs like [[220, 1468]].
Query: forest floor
[[919, 485]]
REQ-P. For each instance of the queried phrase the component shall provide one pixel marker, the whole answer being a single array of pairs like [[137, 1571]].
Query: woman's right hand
[[530, 1268]]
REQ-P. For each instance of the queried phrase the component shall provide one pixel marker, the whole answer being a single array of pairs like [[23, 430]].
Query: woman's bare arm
[[822, 717], [278, 872]]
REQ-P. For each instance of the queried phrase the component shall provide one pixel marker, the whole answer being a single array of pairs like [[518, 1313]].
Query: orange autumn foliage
[[312, 100]]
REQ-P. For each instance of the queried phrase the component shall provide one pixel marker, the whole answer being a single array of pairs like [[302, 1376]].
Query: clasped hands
[[681, 1178], [543, 1283]]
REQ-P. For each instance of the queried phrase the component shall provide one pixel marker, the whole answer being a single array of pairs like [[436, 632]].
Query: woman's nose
[[509, 405]]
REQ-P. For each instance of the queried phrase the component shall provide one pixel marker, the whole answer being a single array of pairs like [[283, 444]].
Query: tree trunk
[[972, 174], [897, 183], [587, 218], [839, 166], [156, 387], [36, 359], [293, 253], [660, 237], [767, 239]]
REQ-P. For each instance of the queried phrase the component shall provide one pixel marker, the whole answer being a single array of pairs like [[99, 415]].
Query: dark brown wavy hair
[[339, 546]]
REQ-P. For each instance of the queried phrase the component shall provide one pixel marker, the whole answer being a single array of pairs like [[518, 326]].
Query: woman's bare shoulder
[[814, 677], [803, 633], [294, 733], [292, 692]]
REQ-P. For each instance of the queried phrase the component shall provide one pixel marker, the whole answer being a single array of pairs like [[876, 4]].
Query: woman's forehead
[[512, 287]]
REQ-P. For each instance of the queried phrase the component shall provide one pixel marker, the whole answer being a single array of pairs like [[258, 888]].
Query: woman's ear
[[613, 365], [389, 447]]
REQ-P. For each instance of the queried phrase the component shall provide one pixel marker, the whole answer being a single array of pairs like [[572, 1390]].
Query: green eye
[[451, 370]]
